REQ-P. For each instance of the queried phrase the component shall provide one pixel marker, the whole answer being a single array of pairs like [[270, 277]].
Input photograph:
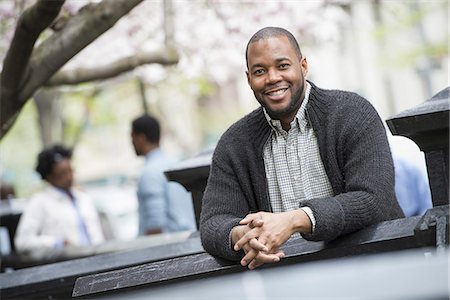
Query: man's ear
[[304, 66]]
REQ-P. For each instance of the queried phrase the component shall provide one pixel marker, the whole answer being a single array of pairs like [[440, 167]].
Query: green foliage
[[404, 18], [436, 50], [76, 115], [205, 87], [18, 152]]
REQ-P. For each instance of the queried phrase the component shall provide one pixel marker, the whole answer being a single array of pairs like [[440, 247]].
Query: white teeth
[[276, 93]]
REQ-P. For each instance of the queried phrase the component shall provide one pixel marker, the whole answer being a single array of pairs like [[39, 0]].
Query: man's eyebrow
[[256, 66], [278, 60], [282, 59]]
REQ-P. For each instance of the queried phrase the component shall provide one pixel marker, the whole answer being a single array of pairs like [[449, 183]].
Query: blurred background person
[[163, 206], [8, 223], [59, 215], [7, 191], [411, 187], [411, 179]]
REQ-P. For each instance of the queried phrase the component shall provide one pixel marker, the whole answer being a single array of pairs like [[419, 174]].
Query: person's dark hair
[[147, 125], [49, 157], [269, 32]]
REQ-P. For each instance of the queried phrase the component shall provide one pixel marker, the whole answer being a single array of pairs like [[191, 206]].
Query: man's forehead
[[275, 38], [275, 47]]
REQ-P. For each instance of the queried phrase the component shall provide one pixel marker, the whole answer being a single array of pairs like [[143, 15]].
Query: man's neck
[[286, 126], [149, 148], [286, 121]]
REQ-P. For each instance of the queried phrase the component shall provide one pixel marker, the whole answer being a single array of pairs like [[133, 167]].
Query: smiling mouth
[[276, 94]]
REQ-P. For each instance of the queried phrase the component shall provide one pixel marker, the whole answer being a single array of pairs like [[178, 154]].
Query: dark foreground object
[[186, 260], [408, 274], [392, 235], [428, 126], [56, 280]]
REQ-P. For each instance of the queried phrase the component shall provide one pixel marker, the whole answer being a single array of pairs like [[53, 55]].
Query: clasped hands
[[260, 235]]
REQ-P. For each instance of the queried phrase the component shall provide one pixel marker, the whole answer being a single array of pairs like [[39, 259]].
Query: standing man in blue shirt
[[164, 206]]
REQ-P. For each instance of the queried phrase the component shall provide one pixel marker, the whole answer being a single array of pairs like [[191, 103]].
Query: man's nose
[[273, 76]]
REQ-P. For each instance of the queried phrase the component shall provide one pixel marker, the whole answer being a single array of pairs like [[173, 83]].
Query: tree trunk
[[31, 23], [48, 115]]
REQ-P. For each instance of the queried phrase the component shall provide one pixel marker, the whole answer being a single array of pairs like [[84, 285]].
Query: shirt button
[[296, 178]]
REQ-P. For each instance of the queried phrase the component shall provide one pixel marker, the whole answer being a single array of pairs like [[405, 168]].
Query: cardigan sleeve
[[365, 170], [223, 206]]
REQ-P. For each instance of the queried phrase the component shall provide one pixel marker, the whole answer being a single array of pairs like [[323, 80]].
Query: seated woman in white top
[[59, 215]]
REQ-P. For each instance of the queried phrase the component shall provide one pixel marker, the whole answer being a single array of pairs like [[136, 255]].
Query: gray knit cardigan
[[357, 159]]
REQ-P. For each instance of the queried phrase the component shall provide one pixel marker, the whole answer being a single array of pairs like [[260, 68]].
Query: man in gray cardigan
[[309, 162]]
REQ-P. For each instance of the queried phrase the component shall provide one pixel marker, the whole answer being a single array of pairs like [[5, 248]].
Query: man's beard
[[293, 106]]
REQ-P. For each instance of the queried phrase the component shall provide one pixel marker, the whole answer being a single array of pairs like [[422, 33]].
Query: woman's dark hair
[[49, 157]]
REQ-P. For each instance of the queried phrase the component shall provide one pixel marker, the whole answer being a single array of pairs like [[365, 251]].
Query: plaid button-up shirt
[[294, 169]]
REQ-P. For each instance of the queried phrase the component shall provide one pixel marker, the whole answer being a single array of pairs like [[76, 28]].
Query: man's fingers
[[244, 221], [249, 256], [254, 264], [245, 239], [248, 218], [263, 258], [257, 245], [252, 220], [256, 223], [280, 254]]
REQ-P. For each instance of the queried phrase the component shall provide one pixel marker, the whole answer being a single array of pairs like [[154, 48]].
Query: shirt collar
[[153, 154], [61, 191], [300, 117]]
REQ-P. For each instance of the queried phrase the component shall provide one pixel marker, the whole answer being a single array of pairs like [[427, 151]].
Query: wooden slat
[[58, 279], [386, 236]]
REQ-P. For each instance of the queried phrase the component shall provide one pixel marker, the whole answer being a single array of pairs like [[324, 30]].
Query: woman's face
[[61, 175]]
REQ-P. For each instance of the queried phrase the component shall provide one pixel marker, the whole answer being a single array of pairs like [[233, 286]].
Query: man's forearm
[[301, 222]]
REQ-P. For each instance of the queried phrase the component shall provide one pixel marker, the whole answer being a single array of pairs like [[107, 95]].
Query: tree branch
[[80, 31], [169, 23], [58, 49], [31, 23], [164, 57]]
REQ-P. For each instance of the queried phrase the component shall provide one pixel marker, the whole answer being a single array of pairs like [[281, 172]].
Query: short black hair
[[269, 32], [149, 126], [49, 157]]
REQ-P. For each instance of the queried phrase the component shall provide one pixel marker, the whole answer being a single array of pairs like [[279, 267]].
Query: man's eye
[[258, 72], [284, 66]]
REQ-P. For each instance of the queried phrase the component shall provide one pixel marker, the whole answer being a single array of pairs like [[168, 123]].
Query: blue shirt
[[411, 187], [162, 204]]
